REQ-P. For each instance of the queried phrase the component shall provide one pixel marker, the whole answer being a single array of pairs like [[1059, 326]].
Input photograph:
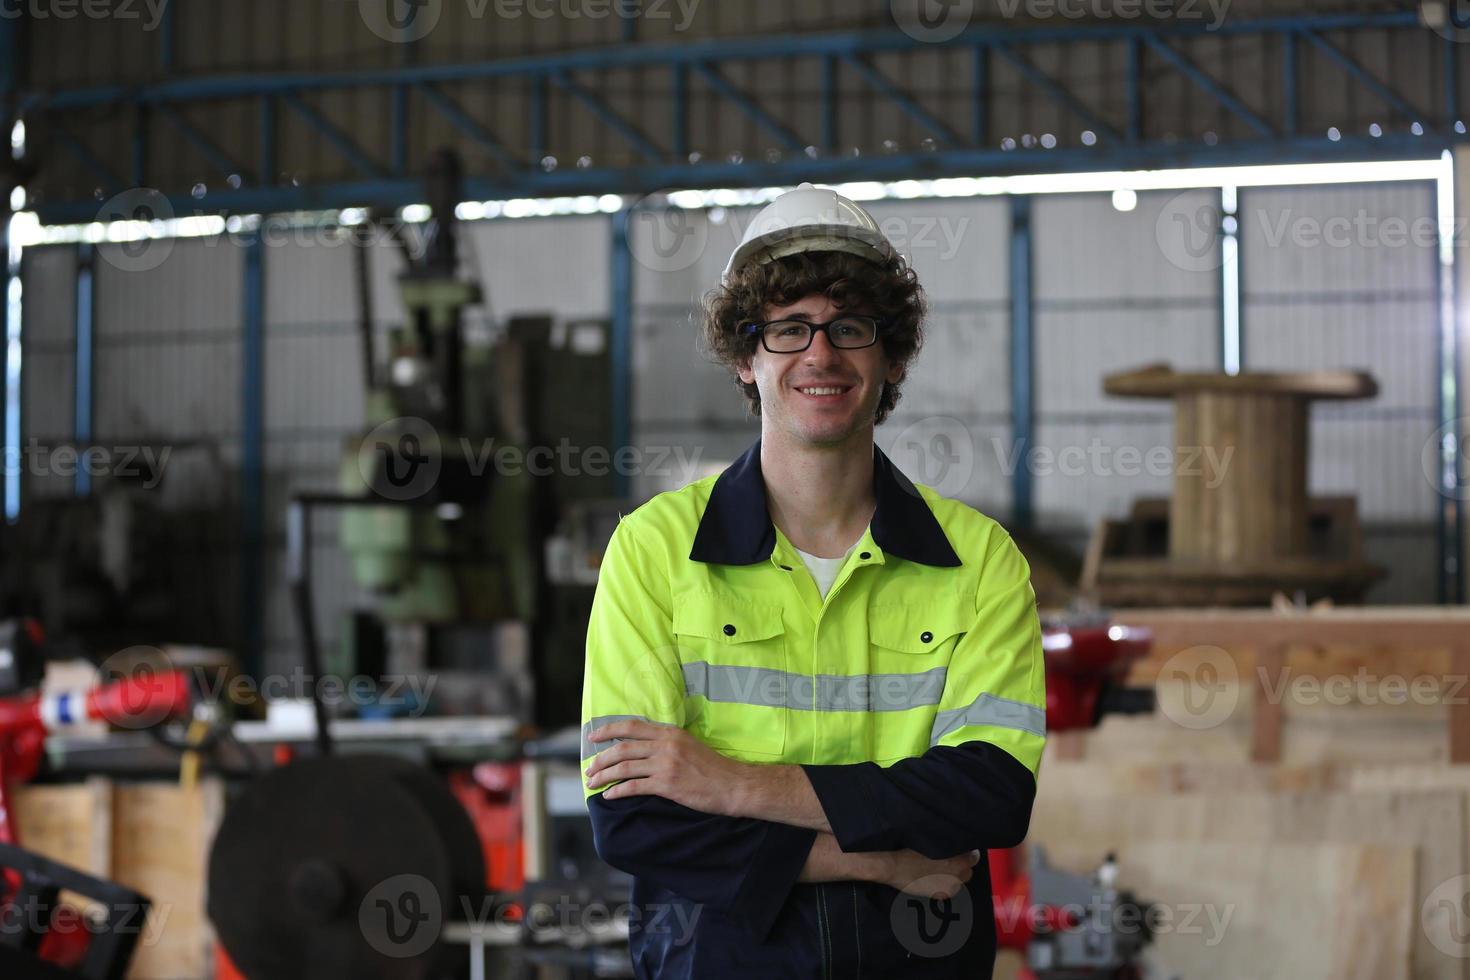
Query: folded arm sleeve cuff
[[947, 801], [743, 866]]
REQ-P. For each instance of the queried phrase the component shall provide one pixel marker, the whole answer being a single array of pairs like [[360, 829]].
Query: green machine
[[452, 494], [448, 540]]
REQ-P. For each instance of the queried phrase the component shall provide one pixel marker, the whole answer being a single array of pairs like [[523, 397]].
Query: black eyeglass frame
[[879, 323]]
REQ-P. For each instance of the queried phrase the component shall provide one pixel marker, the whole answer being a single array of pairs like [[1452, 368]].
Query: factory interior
[[343, 336]]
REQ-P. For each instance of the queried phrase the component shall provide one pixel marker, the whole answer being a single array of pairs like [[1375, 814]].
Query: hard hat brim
[[761, 252]]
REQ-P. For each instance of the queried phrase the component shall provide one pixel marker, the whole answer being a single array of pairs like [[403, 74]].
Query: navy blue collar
[[736, 528]]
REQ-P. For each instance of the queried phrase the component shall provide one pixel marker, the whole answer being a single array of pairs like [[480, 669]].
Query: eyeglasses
[[850, 332]]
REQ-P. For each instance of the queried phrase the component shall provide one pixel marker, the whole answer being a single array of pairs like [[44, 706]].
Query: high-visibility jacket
[[913, 696]]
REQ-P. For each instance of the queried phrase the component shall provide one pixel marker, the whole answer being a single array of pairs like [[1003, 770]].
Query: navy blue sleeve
[[951, 799], [743, 866]]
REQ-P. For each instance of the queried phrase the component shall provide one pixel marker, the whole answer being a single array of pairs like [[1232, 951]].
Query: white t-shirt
[[825, 570]]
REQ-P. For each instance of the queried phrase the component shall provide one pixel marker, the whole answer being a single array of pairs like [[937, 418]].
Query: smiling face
[[823, 395]]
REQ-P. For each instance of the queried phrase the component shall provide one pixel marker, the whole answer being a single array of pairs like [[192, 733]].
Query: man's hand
[[667, 761], [912, 872]]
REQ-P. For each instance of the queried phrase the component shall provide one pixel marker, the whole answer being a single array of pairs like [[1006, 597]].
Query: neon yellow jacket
[[913, 696]]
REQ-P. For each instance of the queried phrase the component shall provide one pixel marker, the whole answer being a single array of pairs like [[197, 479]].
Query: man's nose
[[821, 351]]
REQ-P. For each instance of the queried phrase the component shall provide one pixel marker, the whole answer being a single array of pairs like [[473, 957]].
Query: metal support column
[[1023, 407], [252, 453], [83, 360], [621, 344]]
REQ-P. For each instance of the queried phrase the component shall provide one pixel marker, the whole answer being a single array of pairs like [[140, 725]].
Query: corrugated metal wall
[[1110, 294], [1348, 277], [956, 404], [167, 376], [955, 401], [48, 381]]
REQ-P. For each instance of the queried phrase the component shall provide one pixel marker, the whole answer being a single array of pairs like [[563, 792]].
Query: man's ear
[[896, 371], [743, 371]]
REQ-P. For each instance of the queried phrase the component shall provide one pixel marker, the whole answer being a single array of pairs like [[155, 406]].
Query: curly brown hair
[[890, 290]]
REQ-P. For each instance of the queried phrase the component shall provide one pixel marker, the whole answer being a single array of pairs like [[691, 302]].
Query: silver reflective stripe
[[988, 709], [767, 688], [587, 747]]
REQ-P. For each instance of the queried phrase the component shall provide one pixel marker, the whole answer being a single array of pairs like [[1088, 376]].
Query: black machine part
[[344, 867], [22, 661], [29, 915]]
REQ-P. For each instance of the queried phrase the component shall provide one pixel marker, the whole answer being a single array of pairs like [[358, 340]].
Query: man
[[814, 691]]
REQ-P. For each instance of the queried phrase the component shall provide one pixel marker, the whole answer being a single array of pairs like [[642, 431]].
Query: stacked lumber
[[151, 837]]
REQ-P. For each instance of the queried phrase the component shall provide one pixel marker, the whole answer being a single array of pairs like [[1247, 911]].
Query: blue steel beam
[[84, 155], [268, 140], [206, 146], [620, 344], [749, 106], [570, 181], [83, 356], [906, 102], [252, 456], [538, 123], [1362, 76], [659, 169], [343, 143], [1290, 83], [1209, 85], [1023, 407], [1057, 94], [841, 44], [603, 111], [1134, 57], [470, 126], [980, 94], [830, 131], [681, 112]]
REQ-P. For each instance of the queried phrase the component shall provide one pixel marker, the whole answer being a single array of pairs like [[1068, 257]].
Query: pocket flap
[[727, 618], [916, 629]]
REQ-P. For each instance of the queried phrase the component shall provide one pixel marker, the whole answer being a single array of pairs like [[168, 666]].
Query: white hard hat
[[810, 219]]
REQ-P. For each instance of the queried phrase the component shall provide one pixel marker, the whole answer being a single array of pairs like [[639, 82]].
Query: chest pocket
[[911, 646], [738, 692]]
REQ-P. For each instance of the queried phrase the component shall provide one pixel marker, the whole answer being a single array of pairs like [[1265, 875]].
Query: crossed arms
[[668, 808]]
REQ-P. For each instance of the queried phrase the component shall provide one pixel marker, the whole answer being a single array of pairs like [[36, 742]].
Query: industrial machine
[[1069, 926], [44, 938]]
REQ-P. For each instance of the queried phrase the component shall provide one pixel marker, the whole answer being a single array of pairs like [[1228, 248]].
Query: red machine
[[31, 883], [1036, 907]]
